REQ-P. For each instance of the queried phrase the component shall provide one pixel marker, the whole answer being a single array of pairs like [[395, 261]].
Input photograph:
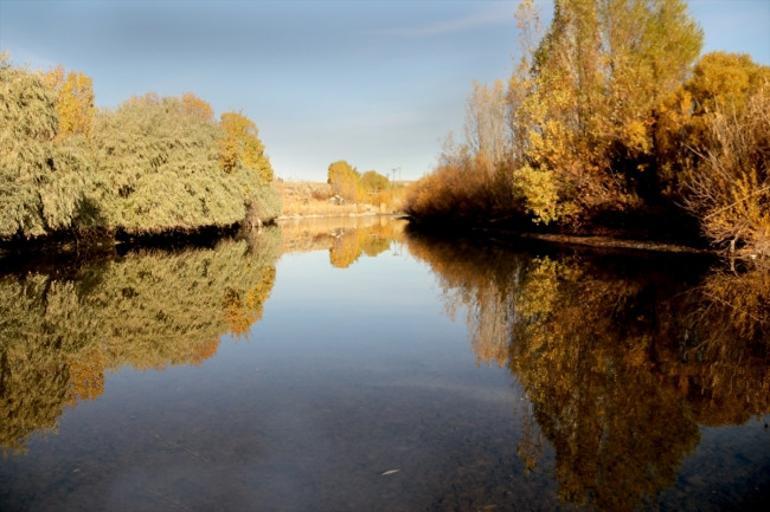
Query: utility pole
[[393, 172]]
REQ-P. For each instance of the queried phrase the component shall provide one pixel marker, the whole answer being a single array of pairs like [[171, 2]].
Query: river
[[351, 364]]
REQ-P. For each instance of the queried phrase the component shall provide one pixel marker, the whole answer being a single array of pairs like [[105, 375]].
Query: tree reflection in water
[[346, 238], [621, 363], [148, 310], [622, 360]]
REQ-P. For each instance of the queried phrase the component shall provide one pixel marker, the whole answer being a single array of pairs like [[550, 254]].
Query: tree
[[374, 182], [41, 182], [197, 107], [722, 84], [345, 180], [74, 95], [598, 77], [240, 146], [486, 123]]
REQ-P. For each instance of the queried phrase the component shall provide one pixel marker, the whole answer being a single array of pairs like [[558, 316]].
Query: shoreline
[[607, 242], [58, 245], [598, 241], [300, 216]]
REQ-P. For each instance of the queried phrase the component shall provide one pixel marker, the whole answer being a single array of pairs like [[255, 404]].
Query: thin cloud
[[501, 14]]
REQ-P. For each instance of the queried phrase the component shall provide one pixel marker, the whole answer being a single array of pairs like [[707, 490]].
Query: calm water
[[348, 365]]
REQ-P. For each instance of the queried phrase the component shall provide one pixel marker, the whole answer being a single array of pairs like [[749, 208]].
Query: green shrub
[[150, 166], [41, 182], [159, 170]]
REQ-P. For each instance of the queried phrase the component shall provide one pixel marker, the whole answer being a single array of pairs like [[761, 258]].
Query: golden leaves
[[74, 101], [240, 146], [197, 107]]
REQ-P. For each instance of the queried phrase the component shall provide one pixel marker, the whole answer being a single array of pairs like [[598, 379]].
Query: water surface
[[348, 365]]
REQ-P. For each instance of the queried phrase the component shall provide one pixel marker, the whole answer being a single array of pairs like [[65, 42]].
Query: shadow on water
[[625, 361]]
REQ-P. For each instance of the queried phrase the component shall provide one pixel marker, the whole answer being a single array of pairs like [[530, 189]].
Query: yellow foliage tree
[[74, 101], [240, 146], [345, 180], [596, 81], [712, 143]]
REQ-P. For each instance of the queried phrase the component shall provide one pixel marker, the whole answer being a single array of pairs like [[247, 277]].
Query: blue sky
[[377, 83]]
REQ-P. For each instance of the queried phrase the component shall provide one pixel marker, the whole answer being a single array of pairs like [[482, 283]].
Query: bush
[[159, 170], [729, 190], [41, 182], [152, 165], [462, 190]]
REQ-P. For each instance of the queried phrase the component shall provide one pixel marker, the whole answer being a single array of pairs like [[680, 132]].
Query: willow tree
[[159, 169], [41, 183]]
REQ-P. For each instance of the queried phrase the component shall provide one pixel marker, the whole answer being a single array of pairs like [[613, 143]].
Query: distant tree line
[[151, 165], [353, 186], [610, 122]]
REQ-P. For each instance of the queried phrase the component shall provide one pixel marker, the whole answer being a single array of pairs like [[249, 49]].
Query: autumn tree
[[575, 131], [486, 124], [712, 143], [345, 180], [240, 146], [598, 77], [374, 182], [723, 80], [197, 107], [74, 95]]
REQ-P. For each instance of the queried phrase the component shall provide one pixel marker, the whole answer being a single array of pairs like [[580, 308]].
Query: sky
[[379, 84]]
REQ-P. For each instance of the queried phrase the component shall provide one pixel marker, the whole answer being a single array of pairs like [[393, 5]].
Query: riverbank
[[65, 245], [309, 199], [601, 242], [670, 145], [509, 237]]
